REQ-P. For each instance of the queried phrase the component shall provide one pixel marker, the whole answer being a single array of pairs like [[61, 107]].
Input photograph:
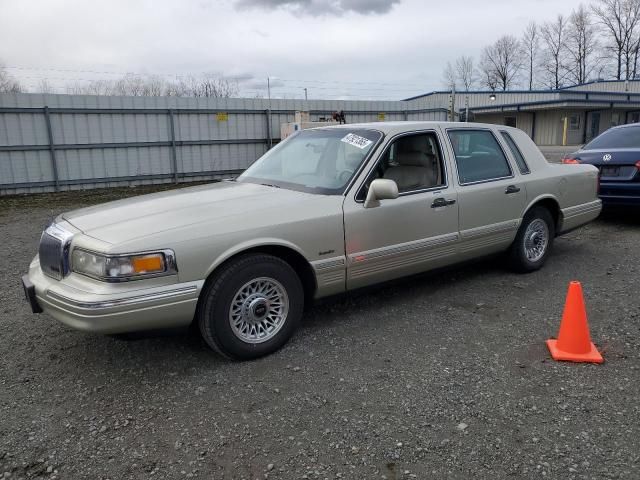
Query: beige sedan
[[326, 211]]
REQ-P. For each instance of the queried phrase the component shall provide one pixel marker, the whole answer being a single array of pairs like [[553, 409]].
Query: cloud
[[323, 7]]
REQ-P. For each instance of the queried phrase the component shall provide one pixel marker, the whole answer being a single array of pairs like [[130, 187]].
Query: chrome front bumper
[[126, 309]]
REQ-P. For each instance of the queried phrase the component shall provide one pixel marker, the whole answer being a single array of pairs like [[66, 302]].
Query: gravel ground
[[441, 376]]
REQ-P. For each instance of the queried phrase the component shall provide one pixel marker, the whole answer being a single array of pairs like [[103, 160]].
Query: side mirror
[[380, 189]]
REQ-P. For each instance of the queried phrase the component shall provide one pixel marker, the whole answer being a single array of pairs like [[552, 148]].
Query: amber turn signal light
[[148, 263]]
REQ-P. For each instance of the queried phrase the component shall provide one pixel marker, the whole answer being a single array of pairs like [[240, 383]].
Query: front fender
[[251, 244]]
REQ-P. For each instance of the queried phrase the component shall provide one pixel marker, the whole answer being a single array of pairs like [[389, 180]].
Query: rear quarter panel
[[574, 187]]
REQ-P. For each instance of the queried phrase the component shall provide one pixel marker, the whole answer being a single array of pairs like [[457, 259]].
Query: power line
[[331, 90], [229, 77]]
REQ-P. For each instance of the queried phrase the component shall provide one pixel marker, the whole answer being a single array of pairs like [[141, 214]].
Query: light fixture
[[492, 97]]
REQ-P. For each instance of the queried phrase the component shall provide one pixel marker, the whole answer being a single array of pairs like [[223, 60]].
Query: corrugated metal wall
[[64, 142], [482, 99], [524, 120], [590, 97]]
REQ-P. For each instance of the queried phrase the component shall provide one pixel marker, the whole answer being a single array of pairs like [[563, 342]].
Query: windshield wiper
[[270, 185]]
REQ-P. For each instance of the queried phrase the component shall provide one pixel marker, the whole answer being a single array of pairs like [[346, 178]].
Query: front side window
[[517, 154], [316, 161], [414, 162], [478, 156]]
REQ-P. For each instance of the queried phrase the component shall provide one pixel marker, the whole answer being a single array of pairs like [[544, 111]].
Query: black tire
[[518, 259], [213, 313]]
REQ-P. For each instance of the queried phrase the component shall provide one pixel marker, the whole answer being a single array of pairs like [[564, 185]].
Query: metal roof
[[585, 88]]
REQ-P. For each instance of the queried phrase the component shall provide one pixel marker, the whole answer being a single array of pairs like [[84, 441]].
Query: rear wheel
[[533, 242], [251, 307]]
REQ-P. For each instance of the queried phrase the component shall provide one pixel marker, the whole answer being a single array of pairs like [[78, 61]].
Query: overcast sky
[[378, 49]]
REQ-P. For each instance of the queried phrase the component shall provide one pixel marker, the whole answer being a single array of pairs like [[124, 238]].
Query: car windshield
[[627, 137], [316, 161]]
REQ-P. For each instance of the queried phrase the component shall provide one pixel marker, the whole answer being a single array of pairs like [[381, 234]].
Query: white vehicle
[[326, 211]]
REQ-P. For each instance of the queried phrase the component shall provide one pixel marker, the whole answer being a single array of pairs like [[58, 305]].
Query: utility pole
[[452, 105], [466, 104], [269, 88], [305, 93]]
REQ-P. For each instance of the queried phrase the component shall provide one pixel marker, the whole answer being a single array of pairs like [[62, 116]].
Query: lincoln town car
[[326, 211]]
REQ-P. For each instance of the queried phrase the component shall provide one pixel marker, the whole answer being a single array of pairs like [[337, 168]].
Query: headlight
[[114, 268]]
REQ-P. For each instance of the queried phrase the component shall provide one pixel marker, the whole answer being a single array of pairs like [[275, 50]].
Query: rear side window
[[479, 157], [626, 137], [517, 154]]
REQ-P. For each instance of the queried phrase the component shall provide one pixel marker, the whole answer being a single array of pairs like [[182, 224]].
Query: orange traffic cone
[[574, 342]]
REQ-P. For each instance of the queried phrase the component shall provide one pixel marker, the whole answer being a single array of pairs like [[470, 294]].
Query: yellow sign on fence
[[222, 116], [381, 117]]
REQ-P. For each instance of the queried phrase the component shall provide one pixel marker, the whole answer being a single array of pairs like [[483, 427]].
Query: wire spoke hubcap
[[536, 239], [259, 310]]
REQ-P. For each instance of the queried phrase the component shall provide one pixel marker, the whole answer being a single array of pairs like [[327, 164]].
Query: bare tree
[[209, 86], [633, 39], [465, 72], [8, 84], [618, 20], [178, 88], [152, 86], [129, 85], [501, 62], [581, 43], [93, 87], [45, 86], [205, 86], [553, 35], [530, 46], [449, 77]]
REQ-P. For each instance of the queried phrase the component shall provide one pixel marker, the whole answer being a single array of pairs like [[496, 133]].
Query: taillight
[[567, 159], [638, 164]]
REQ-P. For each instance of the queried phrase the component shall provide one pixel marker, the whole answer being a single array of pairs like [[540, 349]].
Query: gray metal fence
[[64, 142]]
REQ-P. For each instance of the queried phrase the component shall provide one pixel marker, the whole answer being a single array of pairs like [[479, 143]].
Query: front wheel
[[533, 242], [251, 307]]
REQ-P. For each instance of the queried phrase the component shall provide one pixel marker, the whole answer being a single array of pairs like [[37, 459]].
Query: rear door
[[491, 196]]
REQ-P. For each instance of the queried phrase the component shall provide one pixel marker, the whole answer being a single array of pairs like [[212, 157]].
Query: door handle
[[442, 202], [512, 189]]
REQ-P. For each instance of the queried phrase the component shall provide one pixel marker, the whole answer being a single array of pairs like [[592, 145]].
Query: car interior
[[414, 162]]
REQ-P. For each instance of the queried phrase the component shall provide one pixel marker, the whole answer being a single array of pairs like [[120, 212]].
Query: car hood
[[132, 218]]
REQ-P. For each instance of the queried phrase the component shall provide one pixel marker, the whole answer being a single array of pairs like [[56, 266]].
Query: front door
[[491, 197], [412, 233]]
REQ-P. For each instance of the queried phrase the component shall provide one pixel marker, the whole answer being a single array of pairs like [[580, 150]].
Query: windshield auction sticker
[[357, 140]]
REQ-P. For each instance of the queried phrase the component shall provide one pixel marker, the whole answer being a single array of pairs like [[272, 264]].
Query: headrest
[[414, 159], [415, 151], [417, 143]]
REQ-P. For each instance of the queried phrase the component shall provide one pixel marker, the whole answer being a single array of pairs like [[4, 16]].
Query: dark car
[[616, 153]]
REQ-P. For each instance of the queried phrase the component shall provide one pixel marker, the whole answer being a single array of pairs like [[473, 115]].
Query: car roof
[[408, 126], [627, 125]]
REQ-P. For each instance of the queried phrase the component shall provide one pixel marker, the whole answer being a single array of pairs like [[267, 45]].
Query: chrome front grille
[[54, 251]]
